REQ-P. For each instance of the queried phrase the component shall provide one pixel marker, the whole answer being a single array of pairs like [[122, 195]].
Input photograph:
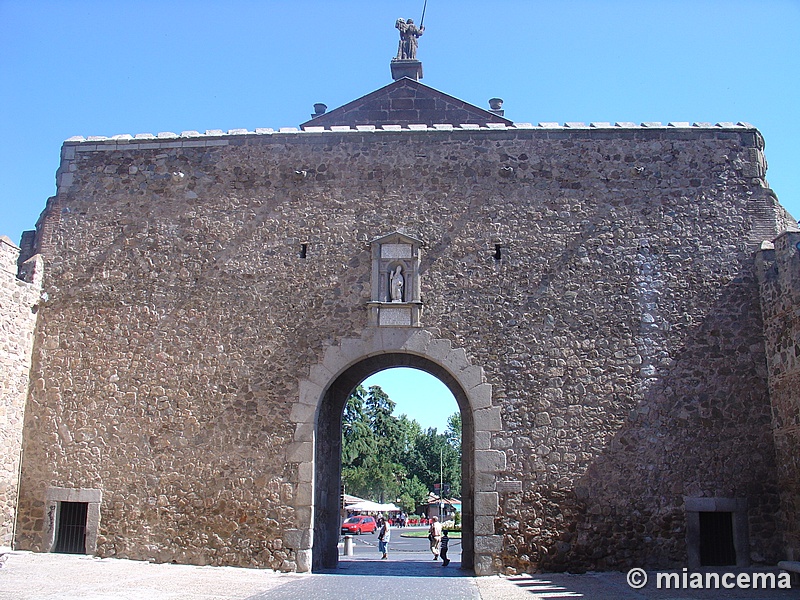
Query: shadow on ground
[[402, 567]]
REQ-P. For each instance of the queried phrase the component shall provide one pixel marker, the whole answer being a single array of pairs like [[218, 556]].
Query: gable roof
[[405, 102], [397, 237]]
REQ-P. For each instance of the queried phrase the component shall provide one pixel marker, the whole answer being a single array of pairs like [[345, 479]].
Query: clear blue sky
[[100, 67], [419, 395]]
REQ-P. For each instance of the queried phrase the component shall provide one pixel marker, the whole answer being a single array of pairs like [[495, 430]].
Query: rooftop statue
[[407, 48]]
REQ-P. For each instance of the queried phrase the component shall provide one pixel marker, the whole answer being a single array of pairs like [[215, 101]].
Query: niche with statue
[[395, 281]]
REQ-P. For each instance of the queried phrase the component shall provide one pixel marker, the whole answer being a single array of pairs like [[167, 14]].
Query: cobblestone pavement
[[29, 576]]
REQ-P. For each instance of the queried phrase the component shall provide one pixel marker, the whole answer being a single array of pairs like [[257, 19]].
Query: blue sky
[[419, 395], [104, 67], [100, 67]]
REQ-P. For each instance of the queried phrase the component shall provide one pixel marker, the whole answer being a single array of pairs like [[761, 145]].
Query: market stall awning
[[368, 506]]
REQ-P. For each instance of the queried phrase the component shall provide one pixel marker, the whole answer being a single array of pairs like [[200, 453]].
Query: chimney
[[496, 106], [319, 109]]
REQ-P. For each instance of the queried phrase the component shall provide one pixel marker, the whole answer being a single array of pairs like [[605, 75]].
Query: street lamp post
[[441, 485]]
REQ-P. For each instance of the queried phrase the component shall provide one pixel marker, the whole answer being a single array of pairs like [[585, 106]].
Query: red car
[[359, 524]]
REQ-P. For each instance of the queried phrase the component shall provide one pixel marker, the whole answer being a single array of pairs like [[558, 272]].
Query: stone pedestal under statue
[[406, 68]]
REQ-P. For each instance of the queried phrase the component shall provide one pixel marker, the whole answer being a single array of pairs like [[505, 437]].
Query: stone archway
[[317, 442]]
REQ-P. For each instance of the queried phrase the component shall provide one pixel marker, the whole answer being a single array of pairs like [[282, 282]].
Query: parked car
[[358, 525]]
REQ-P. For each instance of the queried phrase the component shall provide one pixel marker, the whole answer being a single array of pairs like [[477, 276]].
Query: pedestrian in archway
[[443, 547], [384, 534], [435, 536]]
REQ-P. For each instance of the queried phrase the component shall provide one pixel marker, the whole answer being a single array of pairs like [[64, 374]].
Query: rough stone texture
[[18, 297], [779, 274], [619, 330]]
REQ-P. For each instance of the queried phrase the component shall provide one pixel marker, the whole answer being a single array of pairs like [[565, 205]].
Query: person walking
[[384, 535], [435, 536], [443, 548]]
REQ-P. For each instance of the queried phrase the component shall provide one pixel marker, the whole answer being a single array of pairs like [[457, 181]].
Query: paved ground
[[411, 574]]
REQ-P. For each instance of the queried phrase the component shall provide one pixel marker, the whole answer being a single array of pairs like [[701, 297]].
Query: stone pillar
[[778, 269]]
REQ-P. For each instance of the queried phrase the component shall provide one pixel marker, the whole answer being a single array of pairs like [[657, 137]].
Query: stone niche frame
[[389, 252], [316, 447], [53, 499], [741, 532]]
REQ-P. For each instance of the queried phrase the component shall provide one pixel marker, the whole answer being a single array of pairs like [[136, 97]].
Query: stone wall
[[18, 307], [600, 276], [779, 273]]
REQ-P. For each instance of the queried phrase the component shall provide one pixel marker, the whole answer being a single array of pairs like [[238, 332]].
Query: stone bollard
[[348, 545]]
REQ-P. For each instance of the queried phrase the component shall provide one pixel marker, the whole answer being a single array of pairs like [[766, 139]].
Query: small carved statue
[[407, 48], [396, 284]]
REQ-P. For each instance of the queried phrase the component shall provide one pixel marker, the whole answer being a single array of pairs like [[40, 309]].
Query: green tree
[[453, 433], [360, 446], [433, 452], [388, 458], [413, 493], [372, 442]]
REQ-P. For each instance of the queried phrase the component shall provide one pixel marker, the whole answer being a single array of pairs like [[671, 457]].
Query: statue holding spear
[[409, 33]]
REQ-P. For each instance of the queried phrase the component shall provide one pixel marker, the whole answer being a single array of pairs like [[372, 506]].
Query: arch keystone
[[394, 338]]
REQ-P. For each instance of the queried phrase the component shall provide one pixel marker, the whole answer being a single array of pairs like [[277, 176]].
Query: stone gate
[[587, 293]]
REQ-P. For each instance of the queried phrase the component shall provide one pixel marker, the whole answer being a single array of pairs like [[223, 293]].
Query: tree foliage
[[386, 457]]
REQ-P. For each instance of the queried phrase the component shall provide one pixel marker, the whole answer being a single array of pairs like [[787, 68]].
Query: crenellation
[[126, 138]]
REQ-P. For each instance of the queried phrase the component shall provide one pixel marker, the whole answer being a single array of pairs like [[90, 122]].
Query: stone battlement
[[162, 137]]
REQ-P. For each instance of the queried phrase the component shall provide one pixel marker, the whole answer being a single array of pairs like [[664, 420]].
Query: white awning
[[368, 506]]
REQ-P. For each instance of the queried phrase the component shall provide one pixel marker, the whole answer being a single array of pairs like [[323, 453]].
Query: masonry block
[[480, 396], [488, 544], [488, 419], [300, 452], [490, 461], [487, 503], [484, 525], [310, 392]]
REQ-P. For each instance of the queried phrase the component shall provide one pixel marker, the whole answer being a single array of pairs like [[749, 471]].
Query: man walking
[[435, 536]]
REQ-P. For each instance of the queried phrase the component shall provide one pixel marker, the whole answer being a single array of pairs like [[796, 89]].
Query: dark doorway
[[328, 449], [716, 539], [71, 534]]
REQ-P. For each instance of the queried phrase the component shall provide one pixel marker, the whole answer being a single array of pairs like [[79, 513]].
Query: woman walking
[[384, 534]]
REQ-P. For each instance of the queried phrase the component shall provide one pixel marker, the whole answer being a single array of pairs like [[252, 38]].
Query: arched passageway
[[317, 442], [328, 453]]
